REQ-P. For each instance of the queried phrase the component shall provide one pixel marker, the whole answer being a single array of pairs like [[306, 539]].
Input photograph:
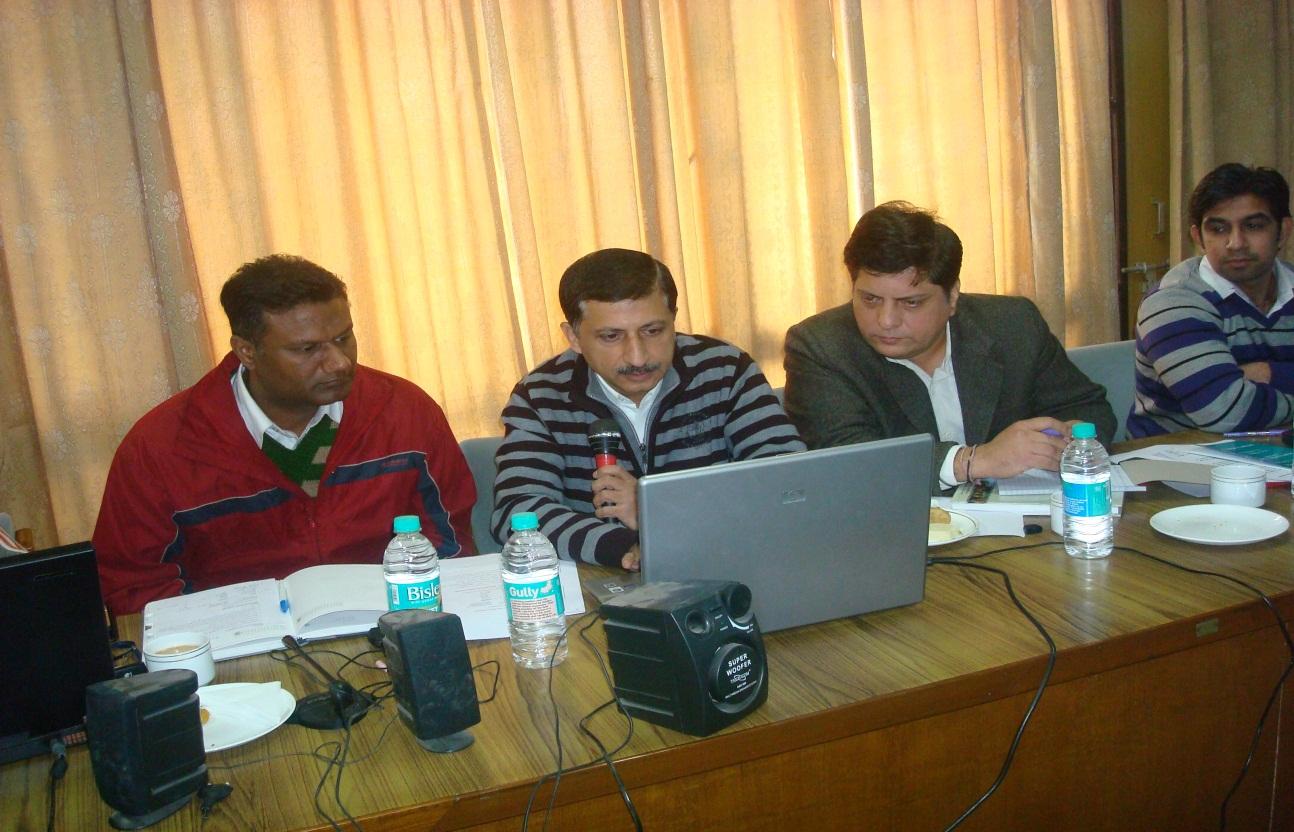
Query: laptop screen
[[55, 644]]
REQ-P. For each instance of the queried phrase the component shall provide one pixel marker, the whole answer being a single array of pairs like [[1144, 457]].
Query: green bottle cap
[[524, 521], [407, 523]]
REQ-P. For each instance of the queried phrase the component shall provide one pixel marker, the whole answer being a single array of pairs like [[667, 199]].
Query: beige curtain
[[1231, 82], [994, 114], [99, 317], [449, 159]]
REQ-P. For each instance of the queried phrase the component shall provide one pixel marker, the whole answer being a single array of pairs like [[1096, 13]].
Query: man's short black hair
[[1234, 179], [898, 235], [274, 284], [611, 275]]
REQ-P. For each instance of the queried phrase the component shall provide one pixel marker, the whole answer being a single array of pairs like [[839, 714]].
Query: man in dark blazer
[[911, 354]]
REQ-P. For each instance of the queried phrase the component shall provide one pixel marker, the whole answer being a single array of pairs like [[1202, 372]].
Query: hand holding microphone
[[615, 491]]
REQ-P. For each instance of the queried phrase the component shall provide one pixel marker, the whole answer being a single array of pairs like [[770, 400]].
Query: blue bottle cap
[[1084, 430], [524, 521], [406, 524]]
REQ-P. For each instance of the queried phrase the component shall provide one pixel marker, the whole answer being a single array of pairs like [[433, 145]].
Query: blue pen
[[1052, 432], [283, 605]]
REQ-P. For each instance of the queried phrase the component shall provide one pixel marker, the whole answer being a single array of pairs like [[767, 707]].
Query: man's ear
[[245, 351], [1287, 226], [954, 292], [572, 337], [1195, 235]]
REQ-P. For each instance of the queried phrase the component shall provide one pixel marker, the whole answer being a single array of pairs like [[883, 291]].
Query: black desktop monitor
[[53, 643]]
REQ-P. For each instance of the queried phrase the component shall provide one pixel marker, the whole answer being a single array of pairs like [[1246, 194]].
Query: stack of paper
[[1038, 481], [1188, 467]]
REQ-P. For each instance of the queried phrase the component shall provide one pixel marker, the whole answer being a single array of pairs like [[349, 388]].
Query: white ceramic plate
[[959, 527], [1219, 525], [241, 712]]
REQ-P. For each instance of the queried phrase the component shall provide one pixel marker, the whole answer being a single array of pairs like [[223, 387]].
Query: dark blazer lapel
[[979, 380], [910, 394]]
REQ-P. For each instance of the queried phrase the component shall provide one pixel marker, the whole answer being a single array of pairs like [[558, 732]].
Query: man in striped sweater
[[681, 401], [1215, 341]]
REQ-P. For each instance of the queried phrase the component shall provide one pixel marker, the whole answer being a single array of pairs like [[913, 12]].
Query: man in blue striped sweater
[[1215, 341], [681, 401]]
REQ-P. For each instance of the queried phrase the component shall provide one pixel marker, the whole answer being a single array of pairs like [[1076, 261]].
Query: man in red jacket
[[288, 454]]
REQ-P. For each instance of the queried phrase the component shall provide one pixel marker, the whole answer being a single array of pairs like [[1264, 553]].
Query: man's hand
[[615, 494], [1022, 446], [630, 559], [1257, 371]]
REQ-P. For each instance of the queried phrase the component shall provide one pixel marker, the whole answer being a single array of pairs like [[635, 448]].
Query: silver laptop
[[816, 535]]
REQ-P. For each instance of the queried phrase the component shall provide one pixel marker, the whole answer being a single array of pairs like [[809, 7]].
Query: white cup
[[1238, 485], [1058, 512], [181, 651]]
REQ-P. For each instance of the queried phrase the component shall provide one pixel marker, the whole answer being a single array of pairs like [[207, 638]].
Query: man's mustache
[[636, 369]]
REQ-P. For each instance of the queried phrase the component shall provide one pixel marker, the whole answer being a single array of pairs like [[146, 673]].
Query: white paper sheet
[[472, 589], [1039, 481], [1200, 454]]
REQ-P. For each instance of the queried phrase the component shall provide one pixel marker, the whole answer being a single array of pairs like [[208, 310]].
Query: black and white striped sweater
[[716, 406]]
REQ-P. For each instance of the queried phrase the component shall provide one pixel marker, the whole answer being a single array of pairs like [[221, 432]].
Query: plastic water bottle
[[1085, 480], [532, 589], [411, 568]]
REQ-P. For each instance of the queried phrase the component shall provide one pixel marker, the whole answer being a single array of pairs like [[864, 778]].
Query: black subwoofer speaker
[[431, 675], [145, 737], [687, 655]]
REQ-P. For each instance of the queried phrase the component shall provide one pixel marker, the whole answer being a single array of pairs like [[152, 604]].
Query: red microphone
[[604, 439]]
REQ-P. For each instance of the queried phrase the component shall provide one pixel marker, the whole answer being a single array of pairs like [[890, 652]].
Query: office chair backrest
[[480, 458], [1111, 366]]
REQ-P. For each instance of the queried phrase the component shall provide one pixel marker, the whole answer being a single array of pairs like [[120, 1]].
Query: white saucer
[[1219, 525], [958, 527], [241, 712]]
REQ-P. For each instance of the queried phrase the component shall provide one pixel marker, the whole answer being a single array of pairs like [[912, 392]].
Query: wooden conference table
[[894, 720]]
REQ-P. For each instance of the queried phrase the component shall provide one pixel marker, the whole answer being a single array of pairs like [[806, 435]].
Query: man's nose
[[635, 351], [1236, 239], [889, 315], [336, 359]]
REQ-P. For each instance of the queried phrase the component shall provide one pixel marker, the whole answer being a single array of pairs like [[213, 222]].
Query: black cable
[[291, 661], [57, 769], [341, 769], [557, 774], [1271, 607], [606, 755], [323, 780], [338, 760], [1276, 689], [629, 731], [557, 733], [494, 687], [611, 686], [1046, 676], [610, 763]]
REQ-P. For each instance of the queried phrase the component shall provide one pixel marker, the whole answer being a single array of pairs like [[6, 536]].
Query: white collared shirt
[[637, 414], [1225, 288], [946, 403], [260, 425]]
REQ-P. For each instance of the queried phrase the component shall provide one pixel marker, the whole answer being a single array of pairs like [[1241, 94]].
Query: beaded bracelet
[[969, 462]]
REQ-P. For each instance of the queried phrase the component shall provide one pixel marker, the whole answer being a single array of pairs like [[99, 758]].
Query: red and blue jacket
[[193, 503]]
